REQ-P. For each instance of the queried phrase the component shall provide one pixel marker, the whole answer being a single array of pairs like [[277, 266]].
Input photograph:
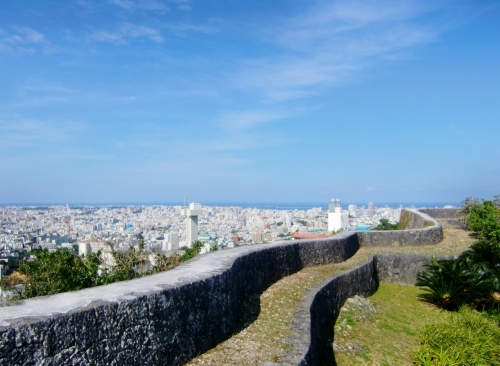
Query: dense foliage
[[64, 270], [384, 224], [59, 271], [468, 337], [482, 217], [474, 277]]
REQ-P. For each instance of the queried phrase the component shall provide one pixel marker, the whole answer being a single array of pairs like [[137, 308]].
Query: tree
[[384, 224], [193, 251], [482, 217]]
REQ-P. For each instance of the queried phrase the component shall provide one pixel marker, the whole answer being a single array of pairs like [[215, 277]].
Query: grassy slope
[[392, 334]]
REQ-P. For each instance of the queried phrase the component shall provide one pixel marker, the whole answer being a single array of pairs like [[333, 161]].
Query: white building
[[336, 218], [192, 214], [171, 242]]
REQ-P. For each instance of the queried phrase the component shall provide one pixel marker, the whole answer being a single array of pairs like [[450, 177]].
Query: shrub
[[384, 224], [482, 217], [59, 271], [471, 279]]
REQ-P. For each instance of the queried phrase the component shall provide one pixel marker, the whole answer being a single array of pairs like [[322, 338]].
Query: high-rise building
[[334, 205], [352, 210], [191, 215], [336, 218]]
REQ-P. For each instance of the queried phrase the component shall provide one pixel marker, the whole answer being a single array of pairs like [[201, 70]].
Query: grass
[[390, 335], [467, 337]]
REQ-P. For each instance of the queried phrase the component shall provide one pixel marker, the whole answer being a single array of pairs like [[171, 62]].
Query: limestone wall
[[165, 319], [416, 234]]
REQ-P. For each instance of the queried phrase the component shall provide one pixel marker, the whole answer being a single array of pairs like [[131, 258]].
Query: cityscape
[[170, 228]]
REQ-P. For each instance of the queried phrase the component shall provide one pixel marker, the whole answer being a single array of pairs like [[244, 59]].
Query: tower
[[191, 213]]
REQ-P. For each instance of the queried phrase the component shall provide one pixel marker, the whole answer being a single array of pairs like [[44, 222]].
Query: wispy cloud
[[182, 4], [25, 133], [330, 43], [244, 120], [126, 32], [22, 39], [141, 5], [183, 28]]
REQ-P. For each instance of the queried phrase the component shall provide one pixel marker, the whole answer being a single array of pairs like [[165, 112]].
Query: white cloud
[[331, 43], [182, 4], [25, 35], [153, 5], [126, 32], [22, 39]]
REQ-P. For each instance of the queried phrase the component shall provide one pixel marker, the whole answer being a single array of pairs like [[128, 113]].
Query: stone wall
[[445, 215], [417, 234], [441, 213], [165, 319], [170, 317], [313, 324]]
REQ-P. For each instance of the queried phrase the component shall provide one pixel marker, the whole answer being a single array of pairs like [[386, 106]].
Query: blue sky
[[240, 101]]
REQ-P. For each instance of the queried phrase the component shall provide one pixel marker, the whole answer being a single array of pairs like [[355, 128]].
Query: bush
[[64, 270], [468, 337], [59, 271], [384, 224], [482, 217], [471, 279], [192, 252]]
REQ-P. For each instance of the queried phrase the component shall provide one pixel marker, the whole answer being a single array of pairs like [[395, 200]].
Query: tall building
[[336, 218], [352, 210], [333, 205], [191, 213]]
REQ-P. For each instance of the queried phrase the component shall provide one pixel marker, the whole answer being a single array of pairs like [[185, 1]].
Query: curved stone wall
[[313, 324], [417, 234], [164, 319], [170, 317]]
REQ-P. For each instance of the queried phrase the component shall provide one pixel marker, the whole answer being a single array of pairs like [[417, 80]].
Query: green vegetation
[[474, 277], [390, 334], [192, 252], [467, 284], [482, 217], [384, 224], [64, 270], [467, 337]]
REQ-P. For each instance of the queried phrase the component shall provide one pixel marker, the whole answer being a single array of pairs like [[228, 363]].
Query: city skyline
[[287, 101]]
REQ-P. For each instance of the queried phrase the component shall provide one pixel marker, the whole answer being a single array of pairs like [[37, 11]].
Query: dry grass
[[262, 341]]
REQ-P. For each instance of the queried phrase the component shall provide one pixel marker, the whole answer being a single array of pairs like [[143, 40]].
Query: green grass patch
[[389, 336], [467, 337]]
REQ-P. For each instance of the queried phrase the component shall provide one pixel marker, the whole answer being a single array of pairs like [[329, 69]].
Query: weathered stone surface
[[402, 269], [441, 213], [416, 235]]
